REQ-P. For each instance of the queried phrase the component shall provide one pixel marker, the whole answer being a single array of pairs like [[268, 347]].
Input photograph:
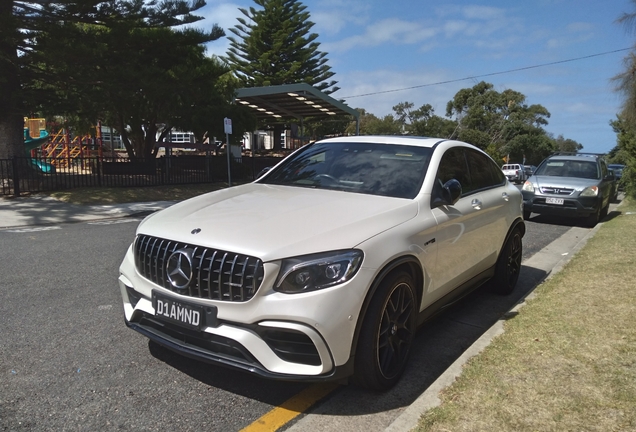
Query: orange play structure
[[62, 150]]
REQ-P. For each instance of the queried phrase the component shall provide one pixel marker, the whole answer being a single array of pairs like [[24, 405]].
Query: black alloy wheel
[[508, 265], [387, 334]]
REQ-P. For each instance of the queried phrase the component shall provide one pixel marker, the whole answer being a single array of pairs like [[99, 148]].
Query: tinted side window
[[483, 171], [453, 166], [603, 169]]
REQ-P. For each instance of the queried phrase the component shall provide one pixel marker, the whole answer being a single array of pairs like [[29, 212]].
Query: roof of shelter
[[291, 101]]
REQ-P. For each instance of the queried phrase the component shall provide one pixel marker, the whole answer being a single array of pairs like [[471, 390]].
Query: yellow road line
[[291, 408]]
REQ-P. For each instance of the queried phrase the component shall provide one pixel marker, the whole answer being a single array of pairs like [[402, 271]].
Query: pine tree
[[23, 23], [274, 46]]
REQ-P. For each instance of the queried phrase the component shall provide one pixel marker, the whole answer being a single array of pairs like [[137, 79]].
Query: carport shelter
[[293, 103]]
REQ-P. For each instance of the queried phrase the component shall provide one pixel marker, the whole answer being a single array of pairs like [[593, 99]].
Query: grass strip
[[567, 361], [95, 196]]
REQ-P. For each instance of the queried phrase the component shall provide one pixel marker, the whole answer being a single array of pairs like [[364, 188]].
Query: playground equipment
[[60, 150], [35, 135]]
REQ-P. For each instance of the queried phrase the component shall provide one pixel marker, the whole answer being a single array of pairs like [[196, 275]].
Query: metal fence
[[27, 174]]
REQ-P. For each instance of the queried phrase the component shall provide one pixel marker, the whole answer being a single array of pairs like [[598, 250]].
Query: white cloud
[[483, 12], [392, 30], [580, 27]]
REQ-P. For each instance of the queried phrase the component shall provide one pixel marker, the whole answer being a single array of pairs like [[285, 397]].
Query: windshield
[[570, 168], [376, 169]]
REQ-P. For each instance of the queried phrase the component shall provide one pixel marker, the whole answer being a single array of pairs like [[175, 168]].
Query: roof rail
[[578, 154]]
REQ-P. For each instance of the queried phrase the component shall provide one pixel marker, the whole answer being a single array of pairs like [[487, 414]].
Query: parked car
[[529, 170], [614, 192], [325, 266], [514, 172], [618, 173], [571, 185]]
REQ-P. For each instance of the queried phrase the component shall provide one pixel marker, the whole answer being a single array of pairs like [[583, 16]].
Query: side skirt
[[454, 296]]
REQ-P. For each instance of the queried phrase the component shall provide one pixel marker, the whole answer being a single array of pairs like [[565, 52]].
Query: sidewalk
[[44, 210]]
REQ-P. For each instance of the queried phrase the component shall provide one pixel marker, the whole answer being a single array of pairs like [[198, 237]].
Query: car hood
[[576, 183], [274, 222]]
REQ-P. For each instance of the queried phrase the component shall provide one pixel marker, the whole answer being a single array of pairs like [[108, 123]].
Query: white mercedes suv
[[325, 266]]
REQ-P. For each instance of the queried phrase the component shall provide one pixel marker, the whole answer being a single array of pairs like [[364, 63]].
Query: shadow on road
[[437, 345]]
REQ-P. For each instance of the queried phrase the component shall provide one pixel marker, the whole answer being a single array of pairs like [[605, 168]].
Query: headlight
[[527, 186], [317, 271], [590, 191]]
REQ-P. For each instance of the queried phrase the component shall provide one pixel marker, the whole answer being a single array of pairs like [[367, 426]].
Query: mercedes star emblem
[[179, 268]]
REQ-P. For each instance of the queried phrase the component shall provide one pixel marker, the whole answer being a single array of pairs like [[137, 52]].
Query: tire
[[592, 219], [604, 212], [387, 333], [508, 265]]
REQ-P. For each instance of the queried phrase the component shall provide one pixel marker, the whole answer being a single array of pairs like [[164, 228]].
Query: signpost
[[227, 126]]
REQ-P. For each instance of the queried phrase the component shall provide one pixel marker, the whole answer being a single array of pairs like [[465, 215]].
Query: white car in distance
[[325, 266]]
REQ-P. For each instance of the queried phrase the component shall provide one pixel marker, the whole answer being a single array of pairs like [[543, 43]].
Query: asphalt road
[[68, 362]]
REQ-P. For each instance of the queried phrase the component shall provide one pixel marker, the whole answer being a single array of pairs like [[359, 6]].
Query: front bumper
[[290, 337], [571, 207]]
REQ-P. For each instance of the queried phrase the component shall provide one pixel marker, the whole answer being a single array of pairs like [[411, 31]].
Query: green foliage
[[423, 121], [274, 46], [372, 125], [502, 123], [625, 152], [119, 61], [567, 145]]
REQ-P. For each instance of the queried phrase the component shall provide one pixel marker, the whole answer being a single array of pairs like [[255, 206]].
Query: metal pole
[[227, 148]]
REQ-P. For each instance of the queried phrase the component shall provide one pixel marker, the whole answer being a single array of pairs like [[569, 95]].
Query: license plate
[[558, 201], [178, 312]]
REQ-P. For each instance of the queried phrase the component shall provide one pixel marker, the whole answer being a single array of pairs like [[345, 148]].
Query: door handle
[[505, 196], [476, 204]]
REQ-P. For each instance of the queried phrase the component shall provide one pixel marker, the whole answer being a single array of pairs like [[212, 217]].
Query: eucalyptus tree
[[423, 121], [494, 121]]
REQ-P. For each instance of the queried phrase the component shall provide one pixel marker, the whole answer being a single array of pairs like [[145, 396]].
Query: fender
[[412, 266]]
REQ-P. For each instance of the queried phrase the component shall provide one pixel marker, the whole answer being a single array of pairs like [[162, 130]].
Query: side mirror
[[447, 194], [452, 191], [263, 172]]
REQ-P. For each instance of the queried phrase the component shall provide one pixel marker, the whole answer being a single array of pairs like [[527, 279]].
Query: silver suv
[[571, 185]]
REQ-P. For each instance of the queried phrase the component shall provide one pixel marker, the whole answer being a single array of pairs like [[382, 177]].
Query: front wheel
[[508, 265], [387, 332], [591, 220]]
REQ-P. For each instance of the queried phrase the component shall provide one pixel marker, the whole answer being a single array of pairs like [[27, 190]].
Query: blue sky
[[378, 47]]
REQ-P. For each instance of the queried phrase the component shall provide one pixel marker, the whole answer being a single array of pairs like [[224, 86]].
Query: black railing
[[26, 174]]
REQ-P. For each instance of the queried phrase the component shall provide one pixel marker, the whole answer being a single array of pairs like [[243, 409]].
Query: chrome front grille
[[556, 191], [215, 274]]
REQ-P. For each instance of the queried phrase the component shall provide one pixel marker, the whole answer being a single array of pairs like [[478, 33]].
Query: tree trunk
[[11, 136], [11, 113]]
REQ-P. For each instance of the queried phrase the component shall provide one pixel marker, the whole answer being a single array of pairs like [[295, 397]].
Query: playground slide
[[31, 143]]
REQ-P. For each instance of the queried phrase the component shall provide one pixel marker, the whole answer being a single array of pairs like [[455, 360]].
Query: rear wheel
[[387, 333], [508, 265]]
